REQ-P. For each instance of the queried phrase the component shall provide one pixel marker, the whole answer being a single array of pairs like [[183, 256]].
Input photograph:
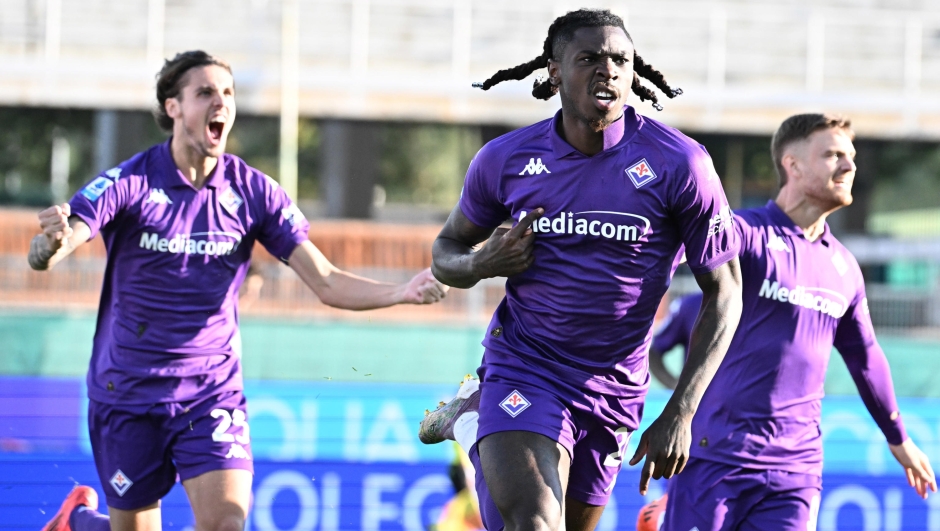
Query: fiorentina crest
[[514, 404], [640, 173]]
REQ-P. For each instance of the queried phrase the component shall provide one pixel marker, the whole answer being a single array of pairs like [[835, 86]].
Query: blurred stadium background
[[363, 109]]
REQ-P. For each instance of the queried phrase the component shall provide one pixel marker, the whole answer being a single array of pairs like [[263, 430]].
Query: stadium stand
[[744, 65]]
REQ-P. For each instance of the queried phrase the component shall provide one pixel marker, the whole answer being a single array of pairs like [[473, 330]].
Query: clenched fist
[[54, 223]]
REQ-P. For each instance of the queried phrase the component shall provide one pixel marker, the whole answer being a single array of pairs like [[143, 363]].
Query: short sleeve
[[283, 226], [704, 218], [101, 200], [479, 199]]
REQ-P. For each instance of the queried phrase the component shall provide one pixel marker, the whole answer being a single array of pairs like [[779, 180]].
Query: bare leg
[[220, 499], [526, 475], [580, 516], [144, 519]]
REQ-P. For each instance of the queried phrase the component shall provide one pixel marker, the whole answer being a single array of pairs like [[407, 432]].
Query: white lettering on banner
[[389, 438], [609, 517], [330, 487], [299, 439], [271, 486], [864, 499], [414, 499], [374, 510], [187, 244], [573, 223], [806, 297]]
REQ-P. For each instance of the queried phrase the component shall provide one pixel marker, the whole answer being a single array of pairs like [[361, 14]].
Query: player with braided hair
[[602, 200], [559, 34]]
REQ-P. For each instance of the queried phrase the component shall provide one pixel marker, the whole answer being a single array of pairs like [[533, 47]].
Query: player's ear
[[791, 165], [554, 72], [172, 107]]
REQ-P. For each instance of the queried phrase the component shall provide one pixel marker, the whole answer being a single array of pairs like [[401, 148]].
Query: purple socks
[[85, 519]]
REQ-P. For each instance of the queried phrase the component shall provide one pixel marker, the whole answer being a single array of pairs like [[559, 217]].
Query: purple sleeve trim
[[89, 220], [476, 218], [869, 368], [715, 262]]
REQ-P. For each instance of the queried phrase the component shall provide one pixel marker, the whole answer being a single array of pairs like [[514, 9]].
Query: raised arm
[[667, 441], [345, 290], [61, 234], [508, 252]]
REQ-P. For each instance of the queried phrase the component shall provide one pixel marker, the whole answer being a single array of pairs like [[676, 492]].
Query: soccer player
[[602, 198], [675, 331], [179, 221], [757, 440]]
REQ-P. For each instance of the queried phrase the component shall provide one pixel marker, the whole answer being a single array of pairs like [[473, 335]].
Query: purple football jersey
[[167, 326], [676, 329], [604, 250], [801, 298]]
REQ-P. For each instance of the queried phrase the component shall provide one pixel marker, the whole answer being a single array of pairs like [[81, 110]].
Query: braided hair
[[560, 34]]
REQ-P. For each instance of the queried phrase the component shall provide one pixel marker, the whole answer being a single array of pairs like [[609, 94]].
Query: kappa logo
[[237, 451], [641, 173], [534, 167], [120, 482], [158, 196], [230, 200], [114, 173], [97, 187], [776, 243], [514, 404]]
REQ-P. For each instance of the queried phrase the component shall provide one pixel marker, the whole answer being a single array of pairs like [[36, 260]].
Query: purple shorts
[[713, 496], [593, 428], [140, 449]]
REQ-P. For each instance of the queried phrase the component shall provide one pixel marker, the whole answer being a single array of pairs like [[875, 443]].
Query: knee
[[227, 523], [534, 517]]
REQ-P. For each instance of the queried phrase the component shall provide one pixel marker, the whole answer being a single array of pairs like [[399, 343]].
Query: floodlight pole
[[290, 87]]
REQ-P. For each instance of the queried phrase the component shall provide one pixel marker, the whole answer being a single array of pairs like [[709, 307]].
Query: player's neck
[[195, 166], [583, 135], [804, 213]]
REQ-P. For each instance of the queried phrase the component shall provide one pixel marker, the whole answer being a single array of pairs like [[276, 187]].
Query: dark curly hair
[[170, 77], [560, 34]]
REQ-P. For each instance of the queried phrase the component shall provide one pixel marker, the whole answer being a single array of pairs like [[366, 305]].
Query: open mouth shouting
[[214, 130]]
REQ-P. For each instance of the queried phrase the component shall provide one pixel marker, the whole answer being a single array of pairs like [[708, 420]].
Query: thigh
[[143, 519], [131, 455], [790, 504], [526, 474], [711, 496], [220, 499], [211, 434]]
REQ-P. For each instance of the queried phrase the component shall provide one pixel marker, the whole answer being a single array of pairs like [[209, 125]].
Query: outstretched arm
[[869, 369], [659, 371], [345, 290], [667, 441], [61, 234]]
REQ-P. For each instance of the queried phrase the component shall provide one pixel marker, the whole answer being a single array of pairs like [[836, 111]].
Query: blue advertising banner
[[342, 457]]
